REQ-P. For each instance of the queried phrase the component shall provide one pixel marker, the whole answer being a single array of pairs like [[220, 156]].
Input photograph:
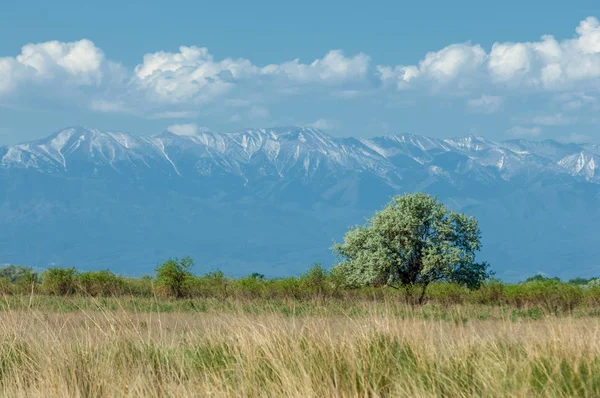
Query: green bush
[[100, 283], [213, 284], [173, 276], [448, 293], [552, 295], [59, 281], [490, 293], [249, 287], [143, 286], [315, 281], [18, 273]]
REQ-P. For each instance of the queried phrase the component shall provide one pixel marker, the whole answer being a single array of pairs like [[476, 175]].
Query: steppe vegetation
[[406, 312], [88, 334]]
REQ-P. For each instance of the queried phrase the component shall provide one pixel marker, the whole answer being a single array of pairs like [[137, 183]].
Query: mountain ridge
[[272, 199], [577, 159]]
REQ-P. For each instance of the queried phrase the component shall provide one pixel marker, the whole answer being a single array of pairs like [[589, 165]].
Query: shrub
[[213, 284], [448, 293], [18, 273], [173, 275], [554, 296], [59, 281], [315, 281], [143, 286], [491, 292], [249, 287], [285, 288], [100, 283]]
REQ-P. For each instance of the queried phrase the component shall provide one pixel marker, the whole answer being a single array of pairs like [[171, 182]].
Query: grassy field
[[88, 347]]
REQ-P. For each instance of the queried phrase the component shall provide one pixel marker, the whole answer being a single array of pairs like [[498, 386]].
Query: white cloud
[[175, 115], [452, 61], [347, 94], [258, 113], [578, 138], [572, 101], [102, 105], [449, 64], [81, 60], [191, 75], [179, 84], [552, 120], [519, 131], [324, 124], [334, 67], [589, 36], [509, 61], [78, 63], [166, 81], [186, 129], [547, 65], [485, 104]]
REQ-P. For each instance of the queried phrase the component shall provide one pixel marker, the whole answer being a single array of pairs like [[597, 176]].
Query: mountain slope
[[272, 200]]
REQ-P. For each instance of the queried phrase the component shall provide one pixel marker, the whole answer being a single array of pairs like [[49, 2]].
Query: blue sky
[[502, 70]]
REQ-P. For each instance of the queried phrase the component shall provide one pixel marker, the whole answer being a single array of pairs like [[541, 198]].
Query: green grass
[[389, 307]]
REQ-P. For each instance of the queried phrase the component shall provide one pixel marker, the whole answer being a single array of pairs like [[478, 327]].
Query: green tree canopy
[[415, 240], [174, 273]]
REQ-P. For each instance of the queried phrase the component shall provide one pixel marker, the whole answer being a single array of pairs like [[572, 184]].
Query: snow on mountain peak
[[583, 163], [289, 150]]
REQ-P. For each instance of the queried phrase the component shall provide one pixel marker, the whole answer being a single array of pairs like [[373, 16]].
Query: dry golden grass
[[122, 354]]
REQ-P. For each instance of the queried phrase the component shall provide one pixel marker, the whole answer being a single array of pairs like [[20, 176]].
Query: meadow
[[93, 347], [102, 335]]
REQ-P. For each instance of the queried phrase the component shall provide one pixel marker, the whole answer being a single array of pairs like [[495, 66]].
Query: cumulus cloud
[[175, 115], [258, 113], [547, 64], [193, 75], [324, 124], [102, 105], [520, 131], [74, 74], [334, 67], [485, 104], [452, 63], [186, 129], [80, 60], [578, 138], [552, 120], [164, 80], [179, 84]]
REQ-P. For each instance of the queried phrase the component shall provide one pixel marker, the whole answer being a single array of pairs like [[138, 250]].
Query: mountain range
[[273, 200]]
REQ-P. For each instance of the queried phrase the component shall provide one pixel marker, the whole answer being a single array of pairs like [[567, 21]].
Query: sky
[[502, 70]]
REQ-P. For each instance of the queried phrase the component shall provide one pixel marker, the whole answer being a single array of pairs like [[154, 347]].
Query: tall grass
[[377, 349]]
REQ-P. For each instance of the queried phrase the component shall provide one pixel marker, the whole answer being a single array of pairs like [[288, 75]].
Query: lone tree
[[415, 240], [173, 274]]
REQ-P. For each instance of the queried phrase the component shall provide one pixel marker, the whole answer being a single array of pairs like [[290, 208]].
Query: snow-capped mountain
[[273, 199], [287, 151]]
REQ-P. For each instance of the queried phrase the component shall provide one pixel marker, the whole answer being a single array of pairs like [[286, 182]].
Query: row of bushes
[[171, 279], [175, 279]]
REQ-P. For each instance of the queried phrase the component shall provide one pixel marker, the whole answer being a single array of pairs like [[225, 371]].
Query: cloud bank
[[177, 85]]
